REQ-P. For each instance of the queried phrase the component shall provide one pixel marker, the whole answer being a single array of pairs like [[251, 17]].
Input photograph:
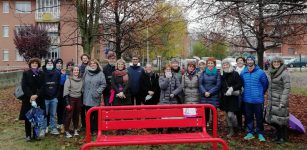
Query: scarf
[[150, 74], [191, 74], [275, 72], [94, 71], [211, 72], [121, 73], [35, 71]]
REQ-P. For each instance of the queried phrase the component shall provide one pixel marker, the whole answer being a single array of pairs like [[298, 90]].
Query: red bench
[[156, 116]]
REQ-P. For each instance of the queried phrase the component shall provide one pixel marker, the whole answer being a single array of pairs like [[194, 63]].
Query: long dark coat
[[32, 85], [150, 83], [230, 103], [116, 83]]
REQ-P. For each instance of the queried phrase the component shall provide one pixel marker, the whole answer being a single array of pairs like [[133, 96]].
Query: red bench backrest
[[159, 116]]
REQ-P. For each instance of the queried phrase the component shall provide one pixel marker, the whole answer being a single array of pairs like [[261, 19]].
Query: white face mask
[[49, 67], [168, 74]]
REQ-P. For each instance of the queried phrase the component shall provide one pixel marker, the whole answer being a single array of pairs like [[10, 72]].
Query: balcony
[[47, 11]]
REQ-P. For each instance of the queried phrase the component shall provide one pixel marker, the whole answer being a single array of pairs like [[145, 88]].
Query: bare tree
[[254, 24]]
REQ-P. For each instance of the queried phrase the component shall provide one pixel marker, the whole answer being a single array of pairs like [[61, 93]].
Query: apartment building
[[58, 17]]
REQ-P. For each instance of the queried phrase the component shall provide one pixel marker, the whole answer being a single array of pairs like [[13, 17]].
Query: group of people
[[238, 90]]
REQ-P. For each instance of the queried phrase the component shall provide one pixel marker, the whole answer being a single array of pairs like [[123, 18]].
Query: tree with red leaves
[[32, 41]]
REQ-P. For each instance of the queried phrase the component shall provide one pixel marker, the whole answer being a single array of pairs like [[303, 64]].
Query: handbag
[[19, 92]]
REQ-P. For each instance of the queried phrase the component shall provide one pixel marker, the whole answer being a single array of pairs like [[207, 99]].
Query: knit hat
[[32, 60], [59, 60], [227, 61], [211, 59], [201, 61], [251, 57], [111, 54], [174, 61]]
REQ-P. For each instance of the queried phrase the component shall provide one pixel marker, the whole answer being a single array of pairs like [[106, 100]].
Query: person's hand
[[63, 71], [229, 91], [33, 98], [172, 95], [207, 94], [102, 103], [68, 107], [151, 93]]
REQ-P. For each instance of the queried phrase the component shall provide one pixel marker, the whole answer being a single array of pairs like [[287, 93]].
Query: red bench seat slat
[[146, 113], [154, 123], [150, 137]]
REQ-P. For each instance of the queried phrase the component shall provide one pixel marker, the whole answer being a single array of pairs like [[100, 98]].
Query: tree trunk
[[260, 58]]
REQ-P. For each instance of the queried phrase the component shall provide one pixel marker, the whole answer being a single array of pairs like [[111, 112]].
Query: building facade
[[58, 17]]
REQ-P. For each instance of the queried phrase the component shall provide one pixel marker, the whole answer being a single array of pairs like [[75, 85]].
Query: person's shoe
[[261, 138], [249, 136], [231, 133], [47, 130], [28, 139], [42, 133], [76, 133], [54, 131], [281, 141], [67, 134]]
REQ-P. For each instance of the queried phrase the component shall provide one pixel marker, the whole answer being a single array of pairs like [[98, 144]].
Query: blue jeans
[[51, 107], [252, 110]]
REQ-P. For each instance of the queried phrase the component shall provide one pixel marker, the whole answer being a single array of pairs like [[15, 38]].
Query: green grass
[[299, 91]]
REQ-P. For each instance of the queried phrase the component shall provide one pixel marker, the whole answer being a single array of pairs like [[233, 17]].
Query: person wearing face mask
[[231, 86], [94, 83], [190, 84], [255, 84], [108, 70], [240, 66], [209, 86], [52, 92], [170, 86], [61, 103], [150, 89], [120, 84], [73, 102], [277, 110], [32, 84], [135, 71]]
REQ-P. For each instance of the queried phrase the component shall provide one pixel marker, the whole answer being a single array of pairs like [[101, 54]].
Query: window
[[53, 52], [18, 57], [23, 7], [5, 31], [19, 27], [6, 7], [6, 55]]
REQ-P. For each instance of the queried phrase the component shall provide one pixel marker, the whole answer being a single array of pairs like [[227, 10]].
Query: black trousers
[[93, 119], [60, 110], [28, 129], [281, 131], [137, 99]]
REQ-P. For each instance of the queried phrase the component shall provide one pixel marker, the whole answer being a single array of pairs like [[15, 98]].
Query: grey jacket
[[73, 87], [190, 89], [93, 85], [277, 110], [168, 87]]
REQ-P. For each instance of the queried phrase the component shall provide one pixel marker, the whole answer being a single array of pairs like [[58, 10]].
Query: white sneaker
[[76, 133], [54, 131], [47, 130], [42, 133], [67, 134]]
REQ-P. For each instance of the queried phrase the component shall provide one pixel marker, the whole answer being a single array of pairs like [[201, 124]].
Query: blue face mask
[[49, 67]]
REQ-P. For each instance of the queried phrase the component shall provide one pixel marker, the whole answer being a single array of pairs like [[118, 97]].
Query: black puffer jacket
[[150, 83]]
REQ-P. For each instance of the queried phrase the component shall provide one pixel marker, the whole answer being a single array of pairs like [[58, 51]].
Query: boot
[[230, 133]]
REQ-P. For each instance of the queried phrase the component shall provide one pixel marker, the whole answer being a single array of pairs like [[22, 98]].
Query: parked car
[[298, 63], [288, 60]]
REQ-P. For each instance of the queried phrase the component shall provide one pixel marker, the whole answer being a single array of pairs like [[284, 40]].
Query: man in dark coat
[[135, 71], [108, 70]]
